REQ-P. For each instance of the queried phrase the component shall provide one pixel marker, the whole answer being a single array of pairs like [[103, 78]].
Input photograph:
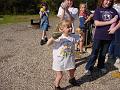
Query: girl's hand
[[111, 31], [114, 19], [56, 35], [64, 5], [42, 10]]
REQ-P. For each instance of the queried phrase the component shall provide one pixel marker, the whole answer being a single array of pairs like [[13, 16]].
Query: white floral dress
[[63, 53]]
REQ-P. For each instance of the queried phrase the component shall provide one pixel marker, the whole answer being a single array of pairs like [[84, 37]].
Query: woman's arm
[[103, 23]]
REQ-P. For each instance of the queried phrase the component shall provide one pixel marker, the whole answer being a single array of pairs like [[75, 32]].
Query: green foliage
[[17, 18], [15, 7]]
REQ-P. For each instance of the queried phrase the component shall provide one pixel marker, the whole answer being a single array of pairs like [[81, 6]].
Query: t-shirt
[[82, 17], [63, 53], [117, 8], [103, 14], [73, 11]]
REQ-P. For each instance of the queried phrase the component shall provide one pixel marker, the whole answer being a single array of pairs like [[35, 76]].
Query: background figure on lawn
[[44, 22]]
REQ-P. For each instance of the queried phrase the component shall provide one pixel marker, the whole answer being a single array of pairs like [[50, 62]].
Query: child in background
[[80, 33], [103, 18], [82, 19], [63, 53], [68, 12], [44, 22]]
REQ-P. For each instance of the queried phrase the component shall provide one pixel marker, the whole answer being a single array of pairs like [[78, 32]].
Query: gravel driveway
[[25, 65]]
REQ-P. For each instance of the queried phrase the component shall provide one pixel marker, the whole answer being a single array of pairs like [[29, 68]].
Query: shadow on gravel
[[96, 74], [81, 61], [5, 58]]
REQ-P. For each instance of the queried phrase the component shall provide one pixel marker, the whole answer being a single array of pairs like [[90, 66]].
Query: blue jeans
[[99, 50], [111, 49], [117, 43]]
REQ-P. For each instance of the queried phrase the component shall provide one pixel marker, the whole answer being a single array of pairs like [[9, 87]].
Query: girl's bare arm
[[103, 23], [62, 15], [112, 31], [40, 14], [89, 18], [50, 41]]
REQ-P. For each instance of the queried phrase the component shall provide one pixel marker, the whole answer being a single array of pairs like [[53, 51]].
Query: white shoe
[[117, 63], [103, 70], [87, 72]]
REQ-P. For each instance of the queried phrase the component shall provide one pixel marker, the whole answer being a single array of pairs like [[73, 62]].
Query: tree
[[32, 6]]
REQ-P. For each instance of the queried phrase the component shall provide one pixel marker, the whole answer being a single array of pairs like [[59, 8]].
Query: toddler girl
[[63, 53]]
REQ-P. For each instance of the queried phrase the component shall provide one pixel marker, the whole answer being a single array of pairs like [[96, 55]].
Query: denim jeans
[[117, 43], [99, 50], [111, 49]]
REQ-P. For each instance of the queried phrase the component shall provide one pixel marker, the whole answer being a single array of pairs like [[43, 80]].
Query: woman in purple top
[[104, 16]]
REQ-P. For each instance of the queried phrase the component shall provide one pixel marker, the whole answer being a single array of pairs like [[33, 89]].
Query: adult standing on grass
[[104, 16], [68, 12]]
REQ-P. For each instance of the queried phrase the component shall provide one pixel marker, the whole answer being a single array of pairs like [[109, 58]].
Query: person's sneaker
[[87, 72], [58, 88], [73, 82], [117, 63], [42, 42], [103, 70]]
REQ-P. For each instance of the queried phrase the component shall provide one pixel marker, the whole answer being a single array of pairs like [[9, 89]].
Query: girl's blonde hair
[[82, 4], [86, 9], [63, 23]]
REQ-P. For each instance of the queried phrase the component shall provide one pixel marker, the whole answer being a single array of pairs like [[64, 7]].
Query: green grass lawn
[[17, 18]]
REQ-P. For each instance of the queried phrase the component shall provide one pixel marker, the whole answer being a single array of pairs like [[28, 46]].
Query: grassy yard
[[17, 18]]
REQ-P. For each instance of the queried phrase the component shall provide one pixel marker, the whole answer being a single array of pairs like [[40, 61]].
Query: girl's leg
[[72, 79], [71, 73], [93, 56], [58, 78], [44, 38], [81, 44], [43, 34], [103, 51]]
